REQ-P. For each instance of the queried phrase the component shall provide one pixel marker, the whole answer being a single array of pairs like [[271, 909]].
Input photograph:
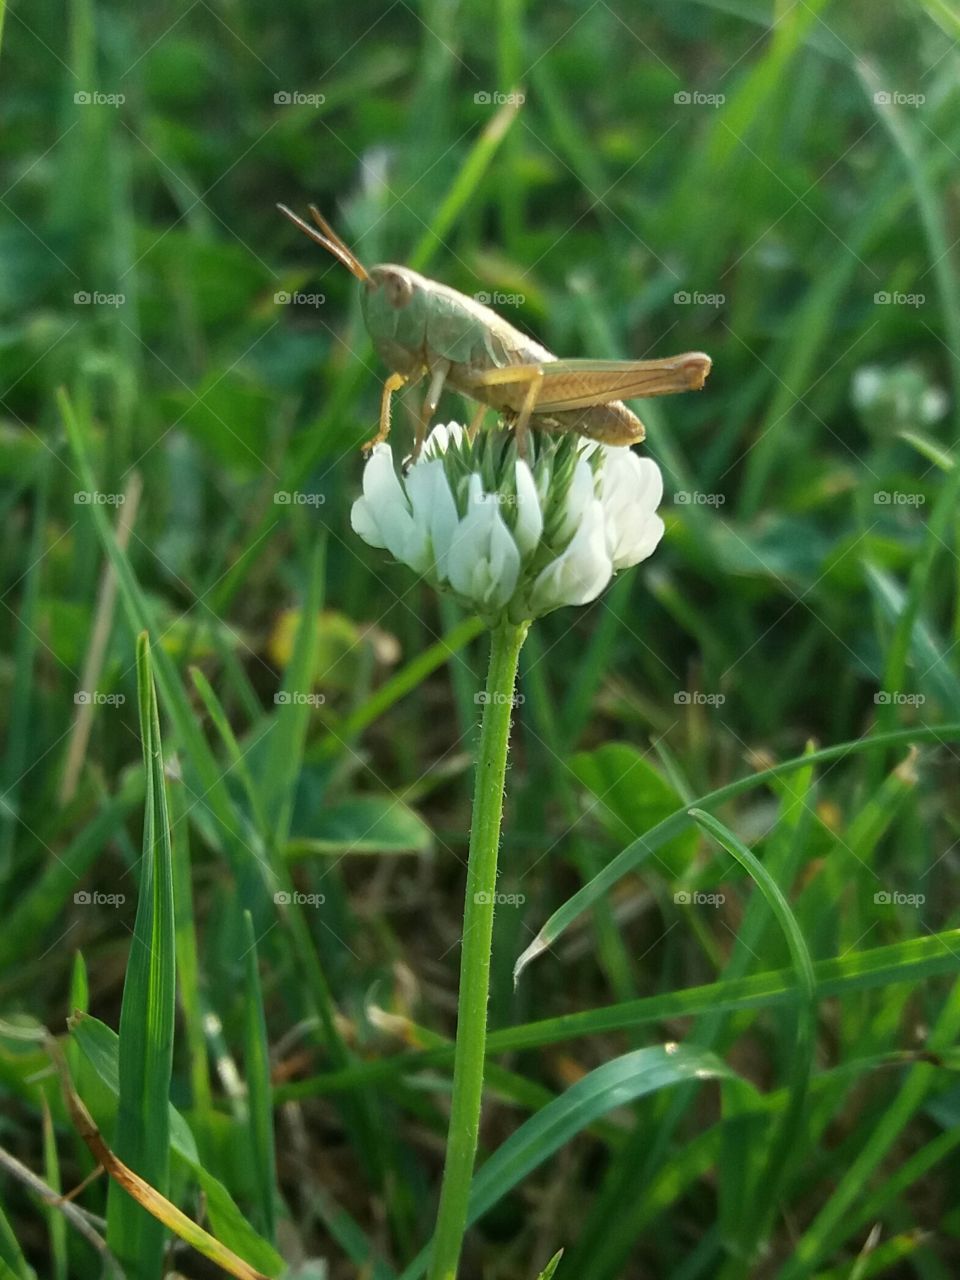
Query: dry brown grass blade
[[151, 1200]]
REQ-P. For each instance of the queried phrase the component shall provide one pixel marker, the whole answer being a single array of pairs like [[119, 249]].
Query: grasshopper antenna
[[329, 239], [332, 236]]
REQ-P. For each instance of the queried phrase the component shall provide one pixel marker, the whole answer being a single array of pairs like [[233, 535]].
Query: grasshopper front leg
[[392, 384], [438, 376]]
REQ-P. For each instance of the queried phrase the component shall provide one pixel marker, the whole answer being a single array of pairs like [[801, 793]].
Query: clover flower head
[[512, 539]]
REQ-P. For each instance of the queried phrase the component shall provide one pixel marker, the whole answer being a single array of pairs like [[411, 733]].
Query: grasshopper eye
[[398, 288]]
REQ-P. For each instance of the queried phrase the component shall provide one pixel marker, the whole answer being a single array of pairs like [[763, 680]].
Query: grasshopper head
[[394, 303], [396, 285]]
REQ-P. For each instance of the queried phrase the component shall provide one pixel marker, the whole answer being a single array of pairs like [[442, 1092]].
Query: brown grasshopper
[[421, 328]]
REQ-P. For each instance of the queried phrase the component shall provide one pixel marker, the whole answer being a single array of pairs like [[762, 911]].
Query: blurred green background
[[775, 184]]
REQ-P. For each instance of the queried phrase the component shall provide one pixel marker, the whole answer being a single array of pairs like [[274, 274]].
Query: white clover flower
[[510, 539]]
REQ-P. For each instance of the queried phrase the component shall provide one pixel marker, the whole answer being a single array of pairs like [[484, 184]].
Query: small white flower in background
[[510, 539]]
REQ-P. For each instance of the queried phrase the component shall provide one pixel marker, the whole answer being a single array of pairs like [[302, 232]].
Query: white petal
[[579, 497], [434, 510], [387, 505], [441, 437], [483, 564], [529, 527], [581, 572], [630, 491], [645, 542], [364, 522]]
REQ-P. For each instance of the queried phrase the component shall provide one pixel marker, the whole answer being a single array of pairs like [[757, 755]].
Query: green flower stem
[[468, 1060]]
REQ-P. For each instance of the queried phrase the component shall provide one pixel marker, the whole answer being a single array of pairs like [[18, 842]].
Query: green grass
[[265, 1020]]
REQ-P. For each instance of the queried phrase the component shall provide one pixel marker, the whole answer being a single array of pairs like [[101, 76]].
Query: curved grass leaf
[[636, 854], [900, 962], [615, 1084]]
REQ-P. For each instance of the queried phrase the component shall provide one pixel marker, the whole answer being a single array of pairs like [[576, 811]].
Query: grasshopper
[[421, 328]]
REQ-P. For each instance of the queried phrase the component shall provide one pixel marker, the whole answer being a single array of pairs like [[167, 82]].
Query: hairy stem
[[468, 1066]]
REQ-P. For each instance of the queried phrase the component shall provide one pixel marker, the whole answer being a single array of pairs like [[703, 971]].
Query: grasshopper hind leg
[[611, 424]]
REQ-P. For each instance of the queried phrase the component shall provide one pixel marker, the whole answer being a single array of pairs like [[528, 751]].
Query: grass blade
[[788, 1139], [635, 854], [259, 1089], [901, 962], [614, 1084], [147, 1014]]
